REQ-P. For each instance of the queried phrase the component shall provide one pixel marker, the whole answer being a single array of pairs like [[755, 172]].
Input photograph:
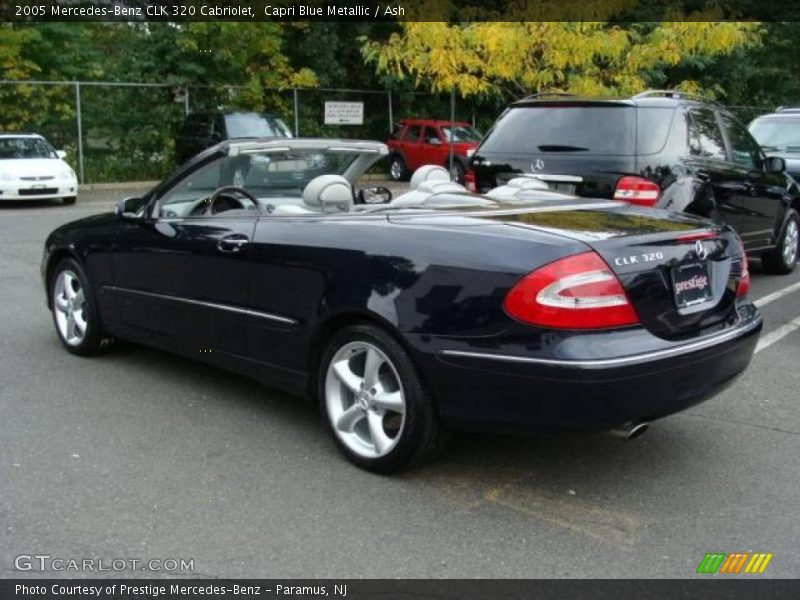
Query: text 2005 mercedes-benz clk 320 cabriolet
[[440, 309]]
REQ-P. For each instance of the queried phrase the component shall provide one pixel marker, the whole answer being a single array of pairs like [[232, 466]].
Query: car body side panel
[[425, 279]]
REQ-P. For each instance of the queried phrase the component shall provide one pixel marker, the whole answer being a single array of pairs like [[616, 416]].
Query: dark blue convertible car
[[406, 317]]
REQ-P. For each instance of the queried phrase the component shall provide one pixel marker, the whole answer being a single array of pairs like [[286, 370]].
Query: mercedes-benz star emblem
[[537, 165], [700, 250]]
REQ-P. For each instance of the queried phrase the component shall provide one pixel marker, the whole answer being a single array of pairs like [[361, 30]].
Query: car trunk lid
[[680, 273]]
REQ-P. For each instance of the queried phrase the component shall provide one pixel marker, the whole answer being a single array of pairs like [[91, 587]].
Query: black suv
[[201, 130], [660, 148]]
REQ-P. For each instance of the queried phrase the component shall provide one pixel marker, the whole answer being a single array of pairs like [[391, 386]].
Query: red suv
[[417, 142]]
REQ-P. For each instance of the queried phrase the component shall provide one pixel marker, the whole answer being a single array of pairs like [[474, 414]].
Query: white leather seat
[[428, 173], [425, 182], [515, 186], [328, 194]]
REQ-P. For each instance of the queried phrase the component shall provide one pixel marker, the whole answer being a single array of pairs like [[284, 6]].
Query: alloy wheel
[[365, 401], [456, 172], [69, 303], [396, 169], [790, 243]]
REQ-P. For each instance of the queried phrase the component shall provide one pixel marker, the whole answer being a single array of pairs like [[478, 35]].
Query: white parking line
[[775, 295], [780, 333]]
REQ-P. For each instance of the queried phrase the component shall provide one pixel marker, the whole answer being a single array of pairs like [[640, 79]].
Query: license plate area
[[691, 284], [564, 188]]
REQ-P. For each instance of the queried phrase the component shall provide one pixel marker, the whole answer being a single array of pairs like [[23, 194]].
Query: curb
[[121, 185]]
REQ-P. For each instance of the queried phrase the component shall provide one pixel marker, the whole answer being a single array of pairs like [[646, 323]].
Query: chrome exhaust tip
[[630, 431]]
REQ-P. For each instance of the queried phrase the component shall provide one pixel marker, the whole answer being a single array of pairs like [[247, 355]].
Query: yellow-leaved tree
[[587, 58]]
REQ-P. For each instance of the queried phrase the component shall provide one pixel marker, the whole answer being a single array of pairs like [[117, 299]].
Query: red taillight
[[469, 181], [637, 190], [744, 280], [576, 292]]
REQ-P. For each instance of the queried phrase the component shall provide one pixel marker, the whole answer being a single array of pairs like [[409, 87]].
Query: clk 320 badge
[[635, 259]]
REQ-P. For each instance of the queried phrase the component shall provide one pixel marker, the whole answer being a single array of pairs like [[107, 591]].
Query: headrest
[[328, 193], [428, 173]]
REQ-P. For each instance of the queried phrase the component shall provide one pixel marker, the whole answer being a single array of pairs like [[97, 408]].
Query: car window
[[705, 137], [430, 136], [777, 134], [197, 125], [397, 132], [274, 177], [25, 147], [461, 133], [652, 128], [242, 125], [607, 130], [745, 150], [413, 133]]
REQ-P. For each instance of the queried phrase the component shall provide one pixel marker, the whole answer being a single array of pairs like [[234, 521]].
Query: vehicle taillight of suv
[[663, 149]]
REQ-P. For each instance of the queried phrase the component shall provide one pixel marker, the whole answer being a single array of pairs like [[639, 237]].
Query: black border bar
[[701, 588], [395, 10]]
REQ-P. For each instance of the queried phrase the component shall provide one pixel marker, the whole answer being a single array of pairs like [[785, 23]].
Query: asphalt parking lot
[[139, 454]]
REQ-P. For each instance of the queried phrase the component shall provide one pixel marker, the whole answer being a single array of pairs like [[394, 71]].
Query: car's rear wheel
[[397, 168], [374, 403], [782, 259], [456, 171], [75, 312], [69, 200]]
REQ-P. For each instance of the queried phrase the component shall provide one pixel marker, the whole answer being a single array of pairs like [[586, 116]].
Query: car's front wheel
[[374, 403], [69, 200], [783, 258], [75, 313]]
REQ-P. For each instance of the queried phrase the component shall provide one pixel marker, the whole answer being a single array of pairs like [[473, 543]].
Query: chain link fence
[[114, 131]]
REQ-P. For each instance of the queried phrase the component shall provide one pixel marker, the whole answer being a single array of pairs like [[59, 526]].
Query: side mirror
[[61, 154], [374, 195], [434, 141], [775, 164], [130, 209]]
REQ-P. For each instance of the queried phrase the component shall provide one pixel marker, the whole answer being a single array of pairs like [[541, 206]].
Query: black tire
[[94, 339], [398, 171], [457, 172], [69, 201], [780, 260], [421, 436]]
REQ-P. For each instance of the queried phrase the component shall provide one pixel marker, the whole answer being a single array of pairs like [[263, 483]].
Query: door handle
[[232, 243]]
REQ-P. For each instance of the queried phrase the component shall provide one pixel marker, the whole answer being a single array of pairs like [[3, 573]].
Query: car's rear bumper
[[514, 391]]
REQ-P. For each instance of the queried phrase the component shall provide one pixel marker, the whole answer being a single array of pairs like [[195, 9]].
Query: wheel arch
[[55, 257], [334, 323]]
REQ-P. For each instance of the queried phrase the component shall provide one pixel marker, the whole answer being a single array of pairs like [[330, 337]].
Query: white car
[[31, 169]]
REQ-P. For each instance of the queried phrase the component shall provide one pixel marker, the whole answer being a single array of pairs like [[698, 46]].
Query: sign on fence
[[344, 113]]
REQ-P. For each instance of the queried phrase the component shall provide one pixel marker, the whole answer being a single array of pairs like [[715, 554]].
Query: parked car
[[779, 135], [417, 142], [439, 309], [31, 169], [201, 130], [662, 149]]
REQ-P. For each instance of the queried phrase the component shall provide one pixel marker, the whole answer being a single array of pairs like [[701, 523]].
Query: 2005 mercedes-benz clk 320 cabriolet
[[440, 309]]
